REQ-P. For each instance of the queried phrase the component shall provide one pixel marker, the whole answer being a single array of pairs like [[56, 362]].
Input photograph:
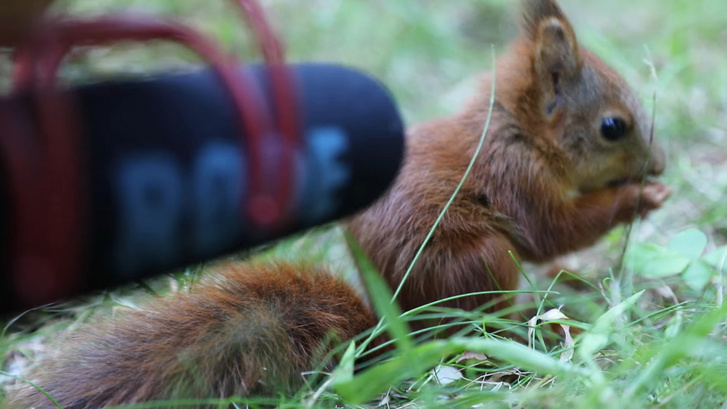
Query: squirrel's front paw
[[649, 196]]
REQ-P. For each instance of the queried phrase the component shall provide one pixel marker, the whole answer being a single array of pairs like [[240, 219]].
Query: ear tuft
[[537, 11], [556, 55], [556, 48], [555, 44]]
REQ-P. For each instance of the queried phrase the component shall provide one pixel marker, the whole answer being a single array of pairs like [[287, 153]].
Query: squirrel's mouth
[[626, 181], [621, 182]]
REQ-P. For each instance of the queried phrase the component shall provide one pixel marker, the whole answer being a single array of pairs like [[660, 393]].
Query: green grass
[[665, 347]]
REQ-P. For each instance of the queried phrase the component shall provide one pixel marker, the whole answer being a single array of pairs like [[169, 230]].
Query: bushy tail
[[245, 330]]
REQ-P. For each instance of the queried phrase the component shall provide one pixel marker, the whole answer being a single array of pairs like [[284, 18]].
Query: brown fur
[[249, 329], [546, 183]]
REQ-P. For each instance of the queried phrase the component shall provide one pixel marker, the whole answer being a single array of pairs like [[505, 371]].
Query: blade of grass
[[378, 379], [686, 344], [380, 296], [461, 182]]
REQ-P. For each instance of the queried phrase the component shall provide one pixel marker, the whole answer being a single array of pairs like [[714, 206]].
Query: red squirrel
[[566, 158]]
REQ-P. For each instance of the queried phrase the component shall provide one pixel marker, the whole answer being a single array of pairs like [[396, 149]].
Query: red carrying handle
[[48, 188], [286, 109]]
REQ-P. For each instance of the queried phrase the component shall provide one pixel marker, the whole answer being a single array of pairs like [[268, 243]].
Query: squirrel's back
[[245, 330]]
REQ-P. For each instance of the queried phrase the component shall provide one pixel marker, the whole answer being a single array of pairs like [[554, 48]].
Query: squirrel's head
[[583, 105]]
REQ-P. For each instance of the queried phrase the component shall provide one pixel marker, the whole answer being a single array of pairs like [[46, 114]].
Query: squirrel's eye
[[613, 128]]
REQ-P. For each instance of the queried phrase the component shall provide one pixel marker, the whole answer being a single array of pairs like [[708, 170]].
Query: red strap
[[286, 112]]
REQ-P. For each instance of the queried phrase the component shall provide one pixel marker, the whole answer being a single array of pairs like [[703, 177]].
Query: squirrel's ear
[[556, 52]]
